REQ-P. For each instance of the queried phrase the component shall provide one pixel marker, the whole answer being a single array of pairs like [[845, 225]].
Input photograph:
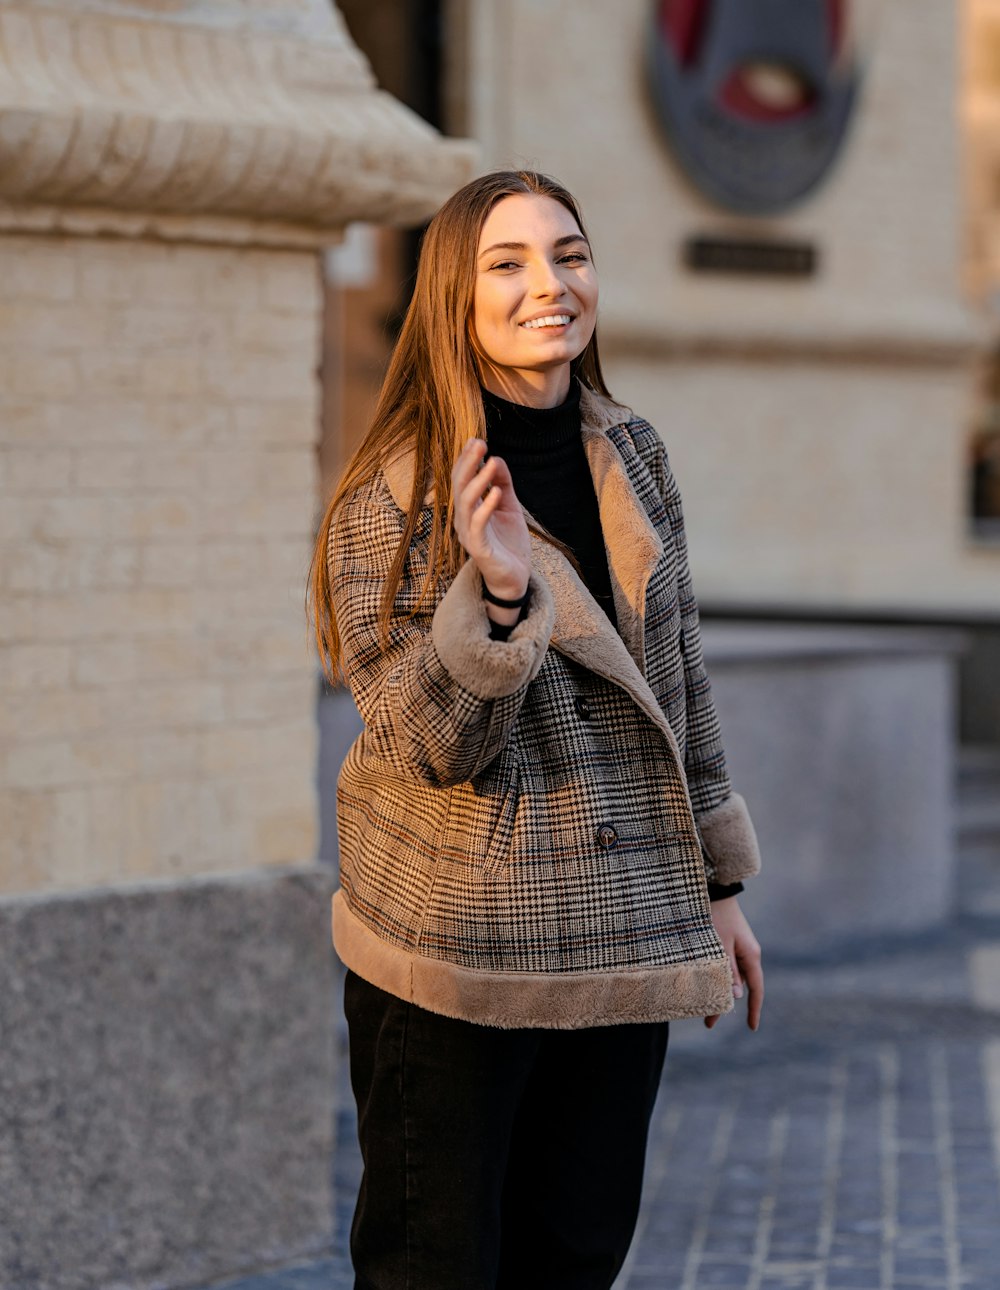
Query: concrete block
[[166, 1092], [232, 280], [175, 466], [249, 377], [105, 278], [58, 712], [108, 568], [24, 850], [38, 470], [232, 749], [164, 752], [167, 374], [56, 326], [182, 701], [842, 741], [169, 655], [171, 565], [61, 520], [223, 562], [34, 667], [108, 468], [289, 421], [170, 516], [271, 331], [102, 419], [104, 663], [46, 376], [172, 275], [18, 620], [291, 283], [42, 763], [183, 417], [36, 568], [272, 698], [148, 327], [40, 270], [102, 372], [277, 647]]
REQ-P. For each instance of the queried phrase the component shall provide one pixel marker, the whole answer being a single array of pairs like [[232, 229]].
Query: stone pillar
[[169, 172]]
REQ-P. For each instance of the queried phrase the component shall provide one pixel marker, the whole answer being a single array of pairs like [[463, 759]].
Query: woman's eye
[[575, 257], [504, 264]]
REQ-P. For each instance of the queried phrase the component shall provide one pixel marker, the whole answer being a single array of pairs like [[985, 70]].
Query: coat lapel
[[583, 632], [632, 544]]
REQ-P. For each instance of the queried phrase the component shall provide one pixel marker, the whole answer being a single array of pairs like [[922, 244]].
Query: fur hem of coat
[[515, 1000]]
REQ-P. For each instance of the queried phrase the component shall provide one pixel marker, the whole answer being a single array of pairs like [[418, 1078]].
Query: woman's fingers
[[468, 462], [753, 974], [471, 479], [489, 521], [482, 512], [743, 953], [480, 489]]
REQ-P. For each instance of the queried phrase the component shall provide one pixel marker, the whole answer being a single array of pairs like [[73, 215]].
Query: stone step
[[977, 804], [979, 768], [978, 817]]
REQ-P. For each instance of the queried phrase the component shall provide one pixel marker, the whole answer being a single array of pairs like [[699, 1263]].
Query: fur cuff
[[487, 668], [728, 836]]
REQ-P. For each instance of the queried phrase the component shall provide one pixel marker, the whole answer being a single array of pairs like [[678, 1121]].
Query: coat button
[[583, 709], [607, 836]]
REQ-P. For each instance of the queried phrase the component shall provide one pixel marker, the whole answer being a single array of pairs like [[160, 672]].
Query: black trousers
[[495, 1159]]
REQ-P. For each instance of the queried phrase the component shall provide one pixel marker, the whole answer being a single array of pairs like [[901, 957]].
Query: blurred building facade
[[825, 425]]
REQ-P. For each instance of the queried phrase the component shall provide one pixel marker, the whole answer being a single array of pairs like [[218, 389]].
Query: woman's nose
[[546, 281]]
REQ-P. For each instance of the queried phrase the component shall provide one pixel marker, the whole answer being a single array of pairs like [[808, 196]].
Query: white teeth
[[552, 320]]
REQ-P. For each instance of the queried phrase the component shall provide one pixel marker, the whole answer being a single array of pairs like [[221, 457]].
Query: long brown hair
[[430, 402]]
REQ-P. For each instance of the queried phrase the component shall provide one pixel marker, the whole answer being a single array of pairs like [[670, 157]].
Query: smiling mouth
[[550, 320]]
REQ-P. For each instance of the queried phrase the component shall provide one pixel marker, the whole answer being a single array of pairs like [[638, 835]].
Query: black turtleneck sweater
[[543, 448]]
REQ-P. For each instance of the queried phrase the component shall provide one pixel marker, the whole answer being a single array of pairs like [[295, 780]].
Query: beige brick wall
[[158, 421]]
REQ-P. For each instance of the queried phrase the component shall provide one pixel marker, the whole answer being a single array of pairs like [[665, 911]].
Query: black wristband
[[505, 604]]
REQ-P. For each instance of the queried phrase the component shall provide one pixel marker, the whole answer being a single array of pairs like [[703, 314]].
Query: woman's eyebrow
[[523, 246]]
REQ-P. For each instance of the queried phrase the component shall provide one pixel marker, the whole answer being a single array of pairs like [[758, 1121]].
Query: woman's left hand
[[744, 957]]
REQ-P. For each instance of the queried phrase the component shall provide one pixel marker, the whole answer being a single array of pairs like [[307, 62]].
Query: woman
[[538, 809]]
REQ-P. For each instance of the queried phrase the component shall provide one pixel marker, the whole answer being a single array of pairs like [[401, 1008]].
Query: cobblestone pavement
[[852, 1144]]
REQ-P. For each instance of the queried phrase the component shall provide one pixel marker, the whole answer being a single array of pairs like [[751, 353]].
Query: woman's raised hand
[[489, 521]]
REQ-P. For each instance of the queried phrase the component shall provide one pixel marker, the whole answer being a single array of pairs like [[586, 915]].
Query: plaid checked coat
[[526, 827]]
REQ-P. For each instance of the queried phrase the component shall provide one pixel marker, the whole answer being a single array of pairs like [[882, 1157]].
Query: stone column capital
[[205, 120]]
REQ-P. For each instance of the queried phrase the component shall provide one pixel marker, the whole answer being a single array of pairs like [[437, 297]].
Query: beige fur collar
[[582, 630]]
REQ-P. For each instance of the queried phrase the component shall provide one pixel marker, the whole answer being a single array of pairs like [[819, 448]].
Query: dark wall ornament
[[755, 96]]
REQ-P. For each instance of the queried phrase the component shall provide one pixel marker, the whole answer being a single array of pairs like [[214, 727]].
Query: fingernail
[[737, 991]]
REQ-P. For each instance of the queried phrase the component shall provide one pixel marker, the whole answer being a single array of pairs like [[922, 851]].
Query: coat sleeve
[[439, 697], [729, 842]]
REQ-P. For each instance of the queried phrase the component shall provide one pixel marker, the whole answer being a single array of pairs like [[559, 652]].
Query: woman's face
[[535, 302]]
